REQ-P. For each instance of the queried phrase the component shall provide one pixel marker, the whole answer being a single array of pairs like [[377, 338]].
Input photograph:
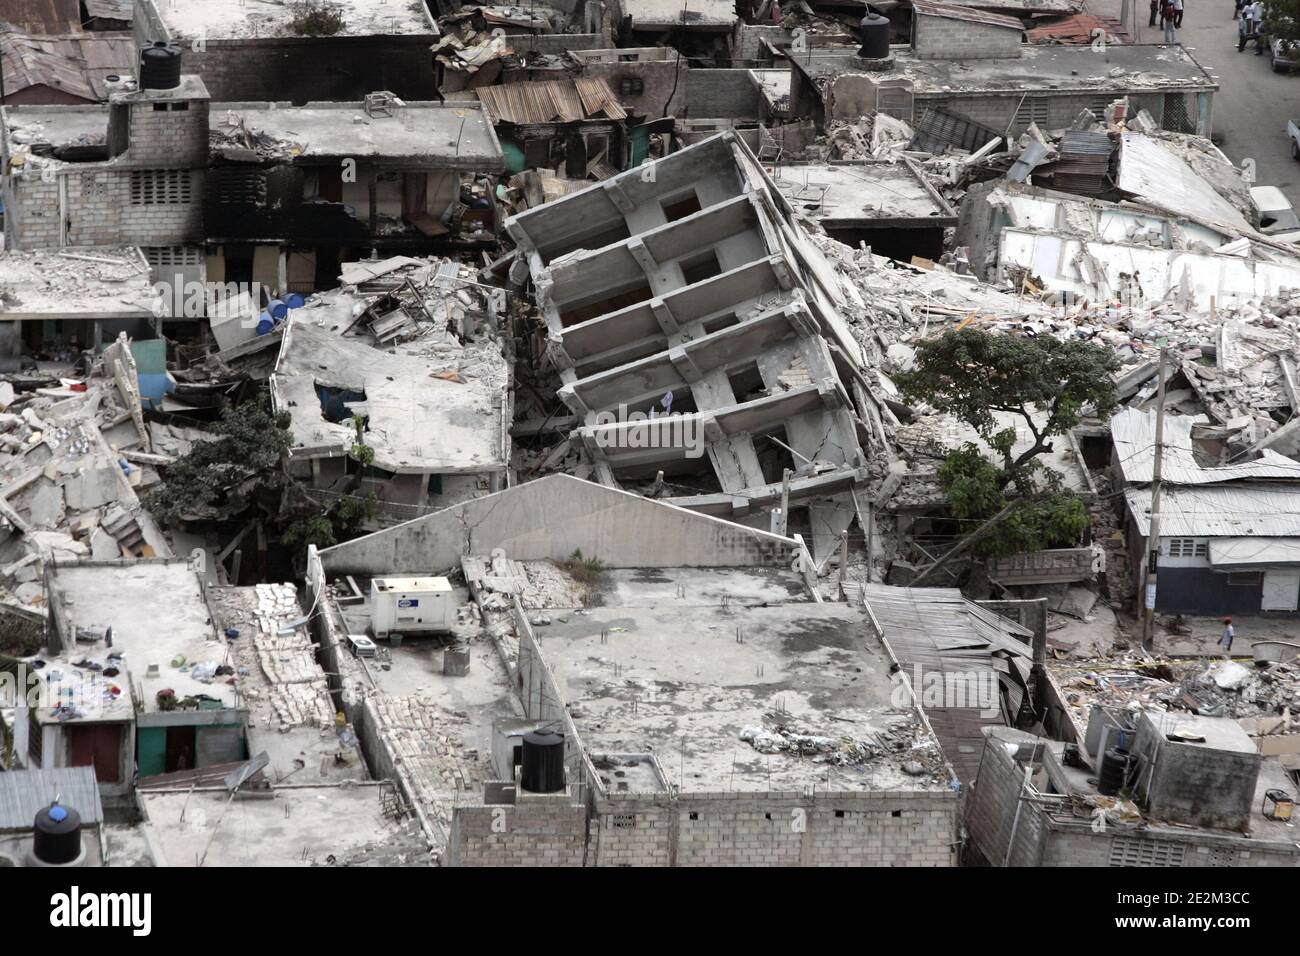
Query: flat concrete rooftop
[[677, 682], [865, 194], [158, 614], [251, 19], [1038, 69], [456, 135], [299, 826], [692, 587]]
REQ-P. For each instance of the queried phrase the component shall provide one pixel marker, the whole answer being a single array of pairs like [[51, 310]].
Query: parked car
[[1277, 218], [1293, 132], [1286, 55]]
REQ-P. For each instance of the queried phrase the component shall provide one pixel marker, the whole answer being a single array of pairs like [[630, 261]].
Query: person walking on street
[[1251, 16], [1178, 14], [1228, 635], [1155, 10], [1167, 13]]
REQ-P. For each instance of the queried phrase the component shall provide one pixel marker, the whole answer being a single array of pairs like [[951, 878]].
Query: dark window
[[682, 207], [701, 267], [1245, 579], [238, 186], [839, 814]]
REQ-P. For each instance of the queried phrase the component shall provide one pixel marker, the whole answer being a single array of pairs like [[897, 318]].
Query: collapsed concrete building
[[436, 412], [686, 287], [940, 87]]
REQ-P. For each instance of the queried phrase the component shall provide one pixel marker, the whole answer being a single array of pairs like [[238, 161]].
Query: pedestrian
[[1167, 12], [1228, 635], [1251, 16], [1178, 14], [1155, 10]]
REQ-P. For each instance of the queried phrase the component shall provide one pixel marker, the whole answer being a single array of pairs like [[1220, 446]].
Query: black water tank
[[874, 32], [543, 762], [57, 840], [160, 67], [1114, 770]]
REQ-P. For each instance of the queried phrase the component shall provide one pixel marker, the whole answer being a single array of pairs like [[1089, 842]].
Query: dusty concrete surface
[[679, 683], [310, 826]]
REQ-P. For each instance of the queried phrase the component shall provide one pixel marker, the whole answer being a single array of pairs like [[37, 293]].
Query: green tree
[[220, 477], [1043, 381], [1282, 22]]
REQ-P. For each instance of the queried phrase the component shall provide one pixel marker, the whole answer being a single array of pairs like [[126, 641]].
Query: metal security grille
[[1187, 548], [938, 128], [1180, 113], [1032, 110], [160, 187], [173, 255], [240, 187], [1131, 851], [1221, 857]]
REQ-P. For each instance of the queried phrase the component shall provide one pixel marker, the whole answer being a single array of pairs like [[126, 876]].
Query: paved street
[[1253, 103]]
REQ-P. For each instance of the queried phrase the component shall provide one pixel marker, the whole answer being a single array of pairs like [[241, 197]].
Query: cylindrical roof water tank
[[543, 762], [57, 840], [160, 67], [1114, 769], [874, 32]]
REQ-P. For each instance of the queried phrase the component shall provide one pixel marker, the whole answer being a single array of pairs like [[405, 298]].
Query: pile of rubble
[[73, 458]]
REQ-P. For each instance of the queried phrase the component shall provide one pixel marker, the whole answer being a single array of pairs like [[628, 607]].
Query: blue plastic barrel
[[294, 301], [265, 323], [278, 308]]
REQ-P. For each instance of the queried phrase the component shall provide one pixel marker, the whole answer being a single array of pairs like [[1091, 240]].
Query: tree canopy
[[1045, 383]]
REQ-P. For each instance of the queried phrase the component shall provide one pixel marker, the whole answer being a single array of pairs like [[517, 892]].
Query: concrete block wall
[[721, 94], [887, 828], [31, 212], [169, 137], [990, 816], [100, 212], [945, 38], [543, 833]]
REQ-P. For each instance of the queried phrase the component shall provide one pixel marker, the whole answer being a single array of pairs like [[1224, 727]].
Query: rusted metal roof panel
[[74, 64], [1080, 28], [42, 16], [968, 14], [551, 101]]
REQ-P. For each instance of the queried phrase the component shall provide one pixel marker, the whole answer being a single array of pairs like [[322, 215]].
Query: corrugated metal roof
[[939, 631], [1079, 29], [968, 14], [111, 9], [1134, 434], [552, 101], [24, 792], [1240, 552], [1220, 511], [42, 16], [74, 64]]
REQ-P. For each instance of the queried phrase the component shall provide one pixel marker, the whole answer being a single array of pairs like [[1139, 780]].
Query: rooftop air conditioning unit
[[361, 645], [404, 606]]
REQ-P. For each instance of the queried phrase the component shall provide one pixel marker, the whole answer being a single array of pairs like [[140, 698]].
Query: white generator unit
[[405, 606]]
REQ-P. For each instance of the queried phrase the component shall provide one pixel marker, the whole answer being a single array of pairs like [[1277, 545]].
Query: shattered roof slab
[[1153, 174], [865, 193], [418, 422], [86, 282], [261, 19], [1036, 71], [456, 136]]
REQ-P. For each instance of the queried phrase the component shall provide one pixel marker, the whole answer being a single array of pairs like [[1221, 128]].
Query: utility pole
[[1153, 538]]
